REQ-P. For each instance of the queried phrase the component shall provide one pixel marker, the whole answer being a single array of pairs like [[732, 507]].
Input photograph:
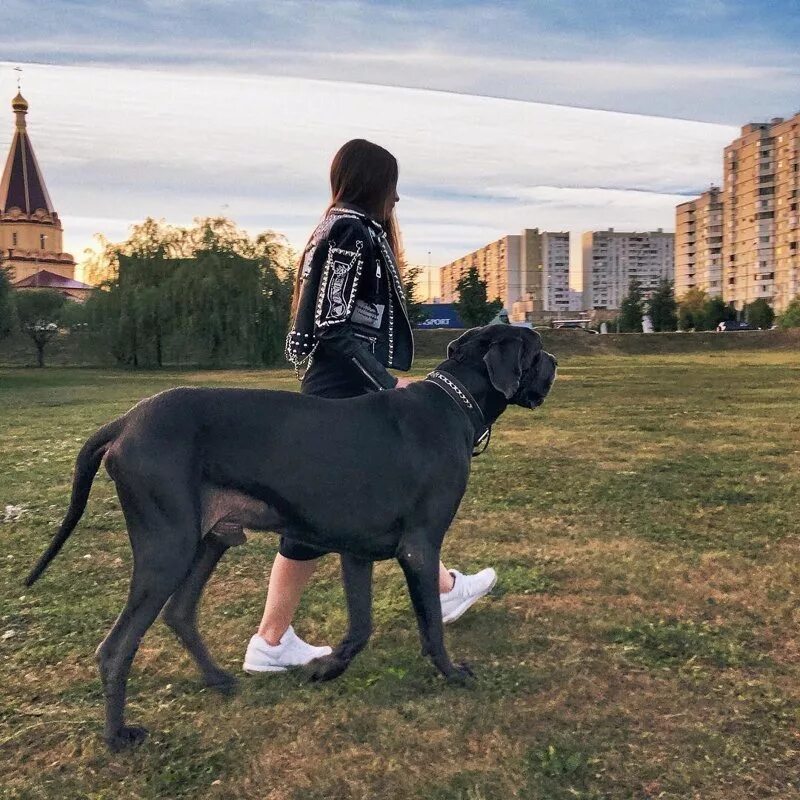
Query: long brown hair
[[365, 175]]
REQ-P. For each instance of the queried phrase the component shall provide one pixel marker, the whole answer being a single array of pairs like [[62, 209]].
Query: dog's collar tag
[[466, 402]]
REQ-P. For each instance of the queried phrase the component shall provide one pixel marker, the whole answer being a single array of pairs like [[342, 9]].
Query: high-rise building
[[749, 214], [760, 245], [498, 265], [528, 272], [544, 267], [611, 259], [555, 271], [761, 232], [698, 244], [30, 230], [786, 136]]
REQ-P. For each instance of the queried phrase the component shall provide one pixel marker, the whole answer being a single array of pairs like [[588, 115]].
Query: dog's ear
[[452, 348], [504, 362]]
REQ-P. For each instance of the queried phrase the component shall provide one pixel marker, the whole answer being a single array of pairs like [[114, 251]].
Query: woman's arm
[[349, 252]]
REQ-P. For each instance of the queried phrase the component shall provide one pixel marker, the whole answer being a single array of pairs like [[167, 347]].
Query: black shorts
[[327, 377]]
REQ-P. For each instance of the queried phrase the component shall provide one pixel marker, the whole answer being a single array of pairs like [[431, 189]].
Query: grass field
[[643, 640]]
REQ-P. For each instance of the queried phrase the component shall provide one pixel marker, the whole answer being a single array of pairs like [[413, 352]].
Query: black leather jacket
[[351, 303]]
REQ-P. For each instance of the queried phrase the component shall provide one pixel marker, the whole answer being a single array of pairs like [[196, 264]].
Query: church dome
[[19, 103]]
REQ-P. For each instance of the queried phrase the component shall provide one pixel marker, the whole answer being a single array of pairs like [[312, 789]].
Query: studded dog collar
[[466, 402]]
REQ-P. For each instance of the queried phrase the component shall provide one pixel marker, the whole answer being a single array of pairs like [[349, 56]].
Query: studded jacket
[[351, 300]]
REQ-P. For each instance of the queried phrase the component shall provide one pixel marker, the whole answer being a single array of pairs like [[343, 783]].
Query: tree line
[[207, 295], [694, 311], [210, 295]]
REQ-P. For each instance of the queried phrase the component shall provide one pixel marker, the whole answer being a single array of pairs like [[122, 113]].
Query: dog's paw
[[462, 675], [326, 668], [223, 682], [126, 737]]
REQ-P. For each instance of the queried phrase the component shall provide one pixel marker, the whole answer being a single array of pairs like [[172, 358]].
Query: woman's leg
[[276, 647], [457, 592], [287, 580], [446, 579]]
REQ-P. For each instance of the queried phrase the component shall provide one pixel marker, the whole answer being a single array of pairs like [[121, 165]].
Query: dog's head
[[517, 366]]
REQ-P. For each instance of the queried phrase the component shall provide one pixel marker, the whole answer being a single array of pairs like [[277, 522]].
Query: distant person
[[349, 324]]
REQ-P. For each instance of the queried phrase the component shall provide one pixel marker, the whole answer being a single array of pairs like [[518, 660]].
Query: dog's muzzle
[[537, 382]]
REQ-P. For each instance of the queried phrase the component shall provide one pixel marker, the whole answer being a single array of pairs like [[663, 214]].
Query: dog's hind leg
[[357, 577], [180, 613], [420, 563], [164, 542]]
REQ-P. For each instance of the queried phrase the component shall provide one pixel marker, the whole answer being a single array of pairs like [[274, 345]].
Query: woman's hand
[[404, 383]]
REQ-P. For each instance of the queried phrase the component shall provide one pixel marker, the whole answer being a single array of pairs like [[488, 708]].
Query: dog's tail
[[86, 466]]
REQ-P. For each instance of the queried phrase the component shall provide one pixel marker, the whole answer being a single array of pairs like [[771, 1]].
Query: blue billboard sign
[[440, 315]]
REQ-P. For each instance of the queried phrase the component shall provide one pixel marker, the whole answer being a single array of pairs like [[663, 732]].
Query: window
[[14, 239], [42, 241]]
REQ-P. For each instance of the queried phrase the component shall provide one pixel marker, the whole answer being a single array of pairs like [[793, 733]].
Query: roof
[[44, 279], [22, 184]]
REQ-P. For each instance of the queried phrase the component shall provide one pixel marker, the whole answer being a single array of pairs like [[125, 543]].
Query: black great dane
[[374, 477]]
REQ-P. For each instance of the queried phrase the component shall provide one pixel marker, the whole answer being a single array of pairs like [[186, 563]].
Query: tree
[[759, 313], [716, 311], [207, 294], [74, 316], [6, 303], [663, 309], [416, 313], [631, 309], [39, 312], [692, 311], [472, 305], [791, 316]]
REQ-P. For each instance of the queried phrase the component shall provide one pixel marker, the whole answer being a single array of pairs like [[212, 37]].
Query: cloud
[[117, 145], [710, 60]]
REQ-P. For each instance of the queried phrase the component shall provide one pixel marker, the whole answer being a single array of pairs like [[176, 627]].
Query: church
[[31, 235]]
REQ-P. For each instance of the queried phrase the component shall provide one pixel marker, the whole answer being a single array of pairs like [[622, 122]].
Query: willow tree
[[208, 294]]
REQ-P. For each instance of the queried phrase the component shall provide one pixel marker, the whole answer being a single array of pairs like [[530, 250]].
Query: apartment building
[[555, 271], [749, 215], [761, 232], [698, 244], [786, 146], [498, 265], [611, 259], [528, 272]]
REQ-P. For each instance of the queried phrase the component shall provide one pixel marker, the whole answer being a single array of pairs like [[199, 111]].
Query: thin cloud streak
[[118, 144], [717, 61]]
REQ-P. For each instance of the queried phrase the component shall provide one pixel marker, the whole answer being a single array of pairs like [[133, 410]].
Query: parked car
[[734, 325], [572, 325]]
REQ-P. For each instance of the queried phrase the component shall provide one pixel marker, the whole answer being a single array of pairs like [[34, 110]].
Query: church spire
[[31, 236], [22, 185]]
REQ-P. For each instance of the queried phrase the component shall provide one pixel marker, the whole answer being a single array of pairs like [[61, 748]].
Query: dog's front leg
[[357, 577], [420, 563]]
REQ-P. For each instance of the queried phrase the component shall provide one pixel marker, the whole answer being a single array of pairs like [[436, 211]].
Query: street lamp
[[429, 276]]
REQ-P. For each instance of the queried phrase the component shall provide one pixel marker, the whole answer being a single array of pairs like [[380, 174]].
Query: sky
[[503, 115]]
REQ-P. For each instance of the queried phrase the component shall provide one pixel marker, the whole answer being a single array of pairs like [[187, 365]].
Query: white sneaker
[[291, 652], [467, 589]]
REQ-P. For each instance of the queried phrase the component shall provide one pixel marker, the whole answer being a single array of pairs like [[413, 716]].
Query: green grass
[[643, 640]]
